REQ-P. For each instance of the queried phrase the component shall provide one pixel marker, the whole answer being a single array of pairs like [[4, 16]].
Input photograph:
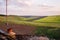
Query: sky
[[30, 7]]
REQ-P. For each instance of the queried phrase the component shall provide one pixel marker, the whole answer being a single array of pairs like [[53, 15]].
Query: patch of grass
[[55, 19], [51, 32]]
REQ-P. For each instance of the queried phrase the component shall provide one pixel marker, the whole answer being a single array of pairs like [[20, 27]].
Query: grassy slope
[[17, 18], [55, 19], [20, 20], [49, 31]]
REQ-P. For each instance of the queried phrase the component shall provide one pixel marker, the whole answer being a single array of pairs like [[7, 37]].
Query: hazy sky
[[31, 7]]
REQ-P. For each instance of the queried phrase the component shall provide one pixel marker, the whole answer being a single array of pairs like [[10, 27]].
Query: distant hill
[[23, 18], [49, 19], [2, 15], [32, 18]]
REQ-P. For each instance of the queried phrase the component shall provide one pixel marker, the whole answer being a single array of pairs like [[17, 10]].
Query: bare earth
[[18, 28]]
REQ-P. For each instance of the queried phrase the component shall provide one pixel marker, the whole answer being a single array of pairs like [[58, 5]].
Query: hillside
[[49, 19], [13, 18], [21, 20]]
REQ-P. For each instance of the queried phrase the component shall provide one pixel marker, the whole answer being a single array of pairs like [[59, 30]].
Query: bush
[[48, 31]]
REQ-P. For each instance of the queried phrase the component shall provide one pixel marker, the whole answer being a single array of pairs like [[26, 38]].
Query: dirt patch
[[18, 28]]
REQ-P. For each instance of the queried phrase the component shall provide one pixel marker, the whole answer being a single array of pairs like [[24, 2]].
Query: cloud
[[20, 2], [29, 7]]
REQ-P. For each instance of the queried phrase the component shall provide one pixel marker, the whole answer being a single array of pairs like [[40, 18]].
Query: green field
[[53, 21], [49, 26]]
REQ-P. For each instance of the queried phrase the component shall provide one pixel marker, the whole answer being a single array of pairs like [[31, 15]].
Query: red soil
[[19, 29]]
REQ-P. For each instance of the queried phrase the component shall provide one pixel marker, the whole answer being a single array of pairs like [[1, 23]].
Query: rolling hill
[[52, 19], [23, 18]]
